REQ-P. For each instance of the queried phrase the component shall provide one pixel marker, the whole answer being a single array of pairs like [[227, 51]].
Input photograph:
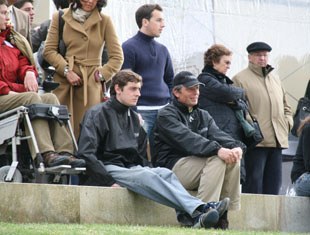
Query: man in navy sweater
[[151, 60]]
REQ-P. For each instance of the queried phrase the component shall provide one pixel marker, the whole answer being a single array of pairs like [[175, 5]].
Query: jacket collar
[[119, 107], [182, 107], [261, 71], [93, 19], [214, 73]]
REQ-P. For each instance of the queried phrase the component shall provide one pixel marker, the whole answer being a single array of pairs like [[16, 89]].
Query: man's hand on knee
[[226, 155], [237, 153]]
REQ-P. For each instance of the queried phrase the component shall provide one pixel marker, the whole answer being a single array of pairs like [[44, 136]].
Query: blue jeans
[[302, 185], [158, 184], [263, 171], [149, 117]]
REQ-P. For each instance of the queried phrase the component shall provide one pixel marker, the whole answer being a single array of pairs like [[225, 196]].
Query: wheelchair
[[16, 163]]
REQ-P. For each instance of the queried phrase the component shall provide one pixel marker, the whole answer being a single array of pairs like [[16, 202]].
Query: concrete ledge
[[38, 203]]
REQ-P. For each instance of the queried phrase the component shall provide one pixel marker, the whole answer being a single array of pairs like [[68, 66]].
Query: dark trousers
[[263, 171]]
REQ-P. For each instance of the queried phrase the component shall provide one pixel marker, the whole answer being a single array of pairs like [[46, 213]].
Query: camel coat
[[84, 44], [267, 103]]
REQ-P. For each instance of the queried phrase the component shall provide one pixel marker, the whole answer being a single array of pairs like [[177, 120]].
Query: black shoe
[[207, 219], [221, 206], [73, 161], [53, 159]]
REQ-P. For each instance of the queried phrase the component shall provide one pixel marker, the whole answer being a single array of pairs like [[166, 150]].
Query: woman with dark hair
[[220, 98], [300, 174], [80, 72]]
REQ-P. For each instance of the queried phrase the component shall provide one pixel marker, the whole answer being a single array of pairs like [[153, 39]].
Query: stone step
[[47, 203]]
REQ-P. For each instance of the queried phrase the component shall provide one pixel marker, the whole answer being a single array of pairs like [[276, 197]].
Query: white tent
[[193, 25]]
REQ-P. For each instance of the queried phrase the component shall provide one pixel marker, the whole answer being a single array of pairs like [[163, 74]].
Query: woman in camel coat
[[79, 72]]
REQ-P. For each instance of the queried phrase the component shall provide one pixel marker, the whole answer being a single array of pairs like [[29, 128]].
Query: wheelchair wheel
[[17, 177]]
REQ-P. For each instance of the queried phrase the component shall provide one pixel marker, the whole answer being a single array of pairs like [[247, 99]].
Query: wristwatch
[[66, 70]]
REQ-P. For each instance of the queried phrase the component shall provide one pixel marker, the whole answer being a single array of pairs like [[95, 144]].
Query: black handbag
[[257, 137], [302, 110], [61, 45]]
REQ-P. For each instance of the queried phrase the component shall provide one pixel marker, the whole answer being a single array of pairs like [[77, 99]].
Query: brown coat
[[84, 43], [267, 103]]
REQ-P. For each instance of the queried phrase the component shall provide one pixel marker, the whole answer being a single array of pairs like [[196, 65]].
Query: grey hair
[[178, 87]]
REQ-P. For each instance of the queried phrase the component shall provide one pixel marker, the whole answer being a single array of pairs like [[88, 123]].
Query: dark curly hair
[[61, 4], [214, 54], [100, 4]]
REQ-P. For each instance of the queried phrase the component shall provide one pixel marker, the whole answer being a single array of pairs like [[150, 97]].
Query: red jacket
[[13, 67]]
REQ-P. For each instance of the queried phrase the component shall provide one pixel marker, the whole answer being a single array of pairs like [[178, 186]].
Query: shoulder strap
[[307, 94], [61, 24]]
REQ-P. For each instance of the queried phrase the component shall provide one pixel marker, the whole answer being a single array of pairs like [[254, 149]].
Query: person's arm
[[287, 110], [169, 73], [4, 88], [129, 57], [27, 74], [90, 139], [142, 147], [176, 134], [220, 92], [214, 133], [26, 77], [115, 53]]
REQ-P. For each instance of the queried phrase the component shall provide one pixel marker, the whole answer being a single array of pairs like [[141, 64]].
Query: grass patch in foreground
[[111, 229]]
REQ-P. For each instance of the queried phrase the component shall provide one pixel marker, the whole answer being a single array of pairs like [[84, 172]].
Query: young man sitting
[[113, 144]]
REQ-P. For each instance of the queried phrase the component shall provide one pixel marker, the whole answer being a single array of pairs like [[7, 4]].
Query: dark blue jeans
[[149, 117], [263, 171]]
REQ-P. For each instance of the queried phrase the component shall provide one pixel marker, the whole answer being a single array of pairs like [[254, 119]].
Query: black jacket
[[110, 134], [219, 98], [301, 161], [180, 133]]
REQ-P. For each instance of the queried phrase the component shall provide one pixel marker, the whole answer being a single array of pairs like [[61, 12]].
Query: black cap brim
[[193, 83]]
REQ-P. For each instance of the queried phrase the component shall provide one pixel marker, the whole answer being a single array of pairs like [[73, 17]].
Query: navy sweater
[[151, 60]]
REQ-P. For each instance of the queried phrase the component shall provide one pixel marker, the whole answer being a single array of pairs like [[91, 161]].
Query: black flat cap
[[186, 79], [258, 46]]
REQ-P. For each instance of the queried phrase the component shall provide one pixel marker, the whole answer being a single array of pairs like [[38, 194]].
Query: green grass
[[109, 229]]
